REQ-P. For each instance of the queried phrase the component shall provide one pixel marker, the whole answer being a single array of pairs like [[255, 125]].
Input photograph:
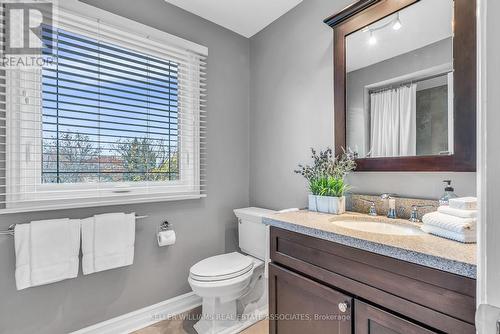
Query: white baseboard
[[144, 317]]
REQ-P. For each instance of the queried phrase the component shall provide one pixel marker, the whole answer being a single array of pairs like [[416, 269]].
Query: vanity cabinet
[[302, 305], [316, 277]]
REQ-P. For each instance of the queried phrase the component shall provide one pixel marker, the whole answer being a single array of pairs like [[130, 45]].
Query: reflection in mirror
[[399, 83]]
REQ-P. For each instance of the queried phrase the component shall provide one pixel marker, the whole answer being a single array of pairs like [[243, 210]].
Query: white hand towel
[[457, 212], [447, 222], [464, 203], [46, 251], [107, 242], [465, 236]]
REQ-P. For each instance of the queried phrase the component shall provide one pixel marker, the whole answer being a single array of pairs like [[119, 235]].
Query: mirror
[[399, 83]]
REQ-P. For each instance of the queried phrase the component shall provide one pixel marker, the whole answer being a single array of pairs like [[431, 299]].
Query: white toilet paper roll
[[166, 238]]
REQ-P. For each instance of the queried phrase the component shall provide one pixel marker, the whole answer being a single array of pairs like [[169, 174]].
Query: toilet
[[233, 286]]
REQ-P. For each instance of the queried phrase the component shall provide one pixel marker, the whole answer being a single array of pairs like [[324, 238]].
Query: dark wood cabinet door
[[298, 305], [371, 320]]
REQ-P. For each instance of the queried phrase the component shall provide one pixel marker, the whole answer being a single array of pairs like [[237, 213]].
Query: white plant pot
[[337, 205], [312, 203], [322, 204], [327, 204]]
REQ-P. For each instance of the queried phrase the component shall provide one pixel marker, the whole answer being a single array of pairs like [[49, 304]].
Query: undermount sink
[[379, 227]]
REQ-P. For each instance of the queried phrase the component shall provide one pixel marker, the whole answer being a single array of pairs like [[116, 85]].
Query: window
[[108, 114], [116, 118]]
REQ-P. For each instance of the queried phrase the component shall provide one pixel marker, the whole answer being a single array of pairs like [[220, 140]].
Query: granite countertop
[[423, 249]]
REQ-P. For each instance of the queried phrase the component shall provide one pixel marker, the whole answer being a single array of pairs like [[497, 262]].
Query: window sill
[[118, 201]]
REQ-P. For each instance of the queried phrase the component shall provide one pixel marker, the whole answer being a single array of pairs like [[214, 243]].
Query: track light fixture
[[395, 23]]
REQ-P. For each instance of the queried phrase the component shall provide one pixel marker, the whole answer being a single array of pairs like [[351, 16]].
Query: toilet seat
[[221, 267]]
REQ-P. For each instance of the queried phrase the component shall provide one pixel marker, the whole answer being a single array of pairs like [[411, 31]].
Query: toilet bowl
[[221, 281], [233, 286]]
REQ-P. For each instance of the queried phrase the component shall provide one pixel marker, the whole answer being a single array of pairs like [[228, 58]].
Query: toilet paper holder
[[165, 226], [165, 235]]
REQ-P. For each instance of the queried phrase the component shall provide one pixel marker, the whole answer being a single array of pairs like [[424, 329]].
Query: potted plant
[[326, 178]]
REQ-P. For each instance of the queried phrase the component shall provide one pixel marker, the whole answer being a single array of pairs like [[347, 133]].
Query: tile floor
[[180, 326]]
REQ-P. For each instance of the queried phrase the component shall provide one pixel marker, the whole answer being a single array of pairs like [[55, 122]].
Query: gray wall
[[435, 54], [204, 227], [291, 108]]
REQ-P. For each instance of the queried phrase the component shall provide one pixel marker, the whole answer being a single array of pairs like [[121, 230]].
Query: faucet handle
[[373, 209], [414, 216]]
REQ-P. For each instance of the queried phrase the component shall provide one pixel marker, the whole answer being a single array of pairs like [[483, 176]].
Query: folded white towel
[[107, 242], [457, 212], [464, 203], [465, 236], [46, 251], [450, 223]]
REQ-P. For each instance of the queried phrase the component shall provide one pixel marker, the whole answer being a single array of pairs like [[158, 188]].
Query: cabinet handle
[[343, 306]]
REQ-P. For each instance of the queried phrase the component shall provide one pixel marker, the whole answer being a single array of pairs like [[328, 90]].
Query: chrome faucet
[[391, 212], [414, 216]]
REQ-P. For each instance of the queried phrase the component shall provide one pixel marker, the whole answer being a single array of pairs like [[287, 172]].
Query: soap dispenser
[[448, 193]]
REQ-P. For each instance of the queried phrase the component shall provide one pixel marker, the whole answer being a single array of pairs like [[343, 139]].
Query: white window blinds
[[117, 118]]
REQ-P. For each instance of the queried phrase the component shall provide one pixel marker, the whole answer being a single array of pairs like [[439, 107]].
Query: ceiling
[[245, 17], [423, 23]]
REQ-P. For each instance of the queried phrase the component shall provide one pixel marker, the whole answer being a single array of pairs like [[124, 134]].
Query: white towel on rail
[[46, 251], [447, 222], [457, 212], [466, 236], [107, 242]]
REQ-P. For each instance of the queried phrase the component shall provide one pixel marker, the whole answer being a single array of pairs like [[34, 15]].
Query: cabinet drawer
[[298, 305], [438, 299], [371, 320]]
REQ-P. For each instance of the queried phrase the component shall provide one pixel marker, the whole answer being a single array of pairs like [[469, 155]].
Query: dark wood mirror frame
[[366, 12]]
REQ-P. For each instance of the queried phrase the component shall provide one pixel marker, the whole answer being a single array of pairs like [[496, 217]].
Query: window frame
[[188, 186]]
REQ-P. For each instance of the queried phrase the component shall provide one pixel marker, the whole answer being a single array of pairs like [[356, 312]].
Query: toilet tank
[[253, 234]]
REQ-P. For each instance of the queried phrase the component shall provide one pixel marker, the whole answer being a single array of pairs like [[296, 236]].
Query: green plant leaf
[[328, 186]]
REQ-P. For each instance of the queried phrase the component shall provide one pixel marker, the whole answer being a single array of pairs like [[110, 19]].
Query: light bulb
[[397, 24], [373, 39]]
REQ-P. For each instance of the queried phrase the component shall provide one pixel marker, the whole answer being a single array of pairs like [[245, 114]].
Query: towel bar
[[10, 230]]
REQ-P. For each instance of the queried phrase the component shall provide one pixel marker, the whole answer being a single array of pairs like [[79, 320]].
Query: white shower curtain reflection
[[393, 122]]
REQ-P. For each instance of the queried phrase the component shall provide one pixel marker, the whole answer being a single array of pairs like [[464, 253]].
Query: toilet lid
[[221, 267]]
